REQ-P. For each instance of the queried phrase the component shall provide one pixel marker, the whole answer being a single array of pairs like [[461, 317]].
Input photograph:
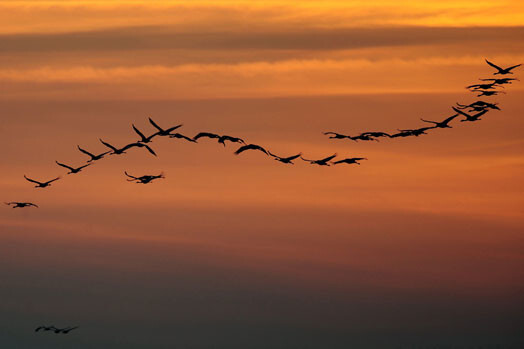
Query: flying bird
[[45, 328], [349, 161], [470, 117], [222, 140], [143, 138], [503, 71], [441, 124], [206, 134], [42, 184], [161, 131], [93, 156], [251, 147], [181, 136], [72, 169], [415, 132], [335, 135], [143, 179], [501, 81], [375, 134], [65, 330], [21, 204], [482, 86], [488, 93], [288, 160], [321, 162], [478, 106]]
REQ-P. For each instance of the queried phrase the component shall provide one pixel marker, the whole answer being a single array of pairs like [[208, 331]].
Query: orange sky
[[429, 225]]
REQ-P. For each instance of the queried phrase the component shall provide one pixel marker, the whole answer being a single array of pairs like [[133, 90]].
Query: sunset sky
[[420, 246]]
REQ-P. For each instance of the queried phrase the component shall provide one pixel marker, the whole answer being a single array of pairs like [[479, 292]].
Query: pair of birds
[[65, 330]]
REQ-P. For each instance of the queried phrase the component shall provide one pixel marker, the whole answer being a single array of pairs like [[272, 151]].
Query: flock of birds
[[471, 112]]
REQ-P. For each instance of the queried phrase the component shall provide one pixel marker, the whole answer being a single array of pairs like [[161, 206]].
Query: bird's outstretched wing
[[294, 157], [205, 134], [32, 180], [329, 158], [64, 165], [251, 147], [83, 166], [149, 149], [513, 67], [85, 151], [306, 159], [173, 128], [178, 135], [461, 112], [127, 174], [450, 118], [31, 204], [52, 180], [139, 133], [494, 65], [155, 125], [107, 145]]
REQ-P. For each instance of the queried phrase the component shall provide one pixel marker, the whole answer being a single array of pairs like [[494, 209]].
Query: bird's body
[[286, 160], [41, 184], [21, 204], [250, 147], [161, 131], [93, 156], [72, 169], [502, 71], [349, 161], [442, 124], [321, 162], [145, 179]]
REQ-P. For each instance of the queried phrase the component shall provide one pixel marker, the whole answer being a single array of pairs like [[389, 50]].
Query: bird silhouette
[[501, 81], [207, 135], [441, 124], [21, 204], [161, 131], [93, 156], [482, 86], [334, 135], [250, 147], [349, 161], [45, 328], [470, 117], [364, 137], [222, 140], [415, 132], [488, 93], [503, 71], [122, 150], [321, 162], [181, 136], [478, 106], [287, 160], [72, 169], [143, 179], [143, 138], [42, 184]]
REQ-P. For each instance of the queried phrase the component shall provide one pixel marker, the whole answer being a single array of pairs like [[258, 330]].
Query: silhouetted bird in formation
[[478, 106], [375, 134], [364, 137], [288, 160], [72, 169], [181, 136], [143, 179], [414, 132], [441, 124], [470, 117], [501, 81], [488, 93], [42, 184], [45, 328], [334, 135], [482, 86], [349, 161], [321, 162], [122, 150], [221, 139], [251, 147], [93, 157], [502, 71], [143, 139], [21, 204], [161, 131]]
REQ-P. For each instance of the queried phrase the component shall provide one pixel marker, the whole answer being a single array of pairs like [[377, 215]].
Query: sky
[[421, 246]]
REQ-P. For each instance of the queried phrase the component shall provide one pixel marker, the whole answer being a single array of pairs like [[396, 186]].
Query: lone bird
[[441, 124], [161, 131], [72, 169], [41, 184], [349, 161], [143, 138], [251, 147], [93, 156], [143, 179], [288, 160], [21, 204], [117, 151], [503, 71], [321, 162], [470, 117]]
